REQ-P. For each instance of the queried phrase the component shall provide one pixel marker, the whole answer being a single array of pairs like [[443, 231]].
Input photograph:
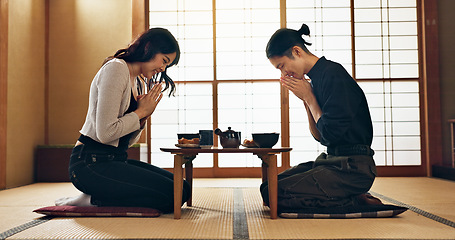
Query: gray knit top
[[110, 94]]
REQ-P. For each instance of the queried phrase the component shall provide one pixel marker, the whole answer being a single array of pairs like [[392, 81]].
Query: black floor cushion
[[360, 211]]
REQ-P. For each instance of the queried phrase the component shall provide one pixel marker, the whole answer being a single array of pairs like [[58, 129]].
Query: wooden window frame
[[430, 122]]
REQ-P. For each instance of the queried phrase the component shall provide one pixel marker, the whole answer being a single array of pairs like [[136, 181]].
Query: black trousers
[[113, 180], [329, 181]]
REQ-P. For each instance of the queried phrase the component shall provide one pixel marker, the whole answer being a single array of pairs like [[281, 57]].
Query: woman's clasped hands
[[146, 103]]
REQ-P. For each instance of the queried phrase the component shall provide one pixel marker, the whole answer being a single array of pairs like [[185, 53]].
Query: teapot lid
[[229, 130]]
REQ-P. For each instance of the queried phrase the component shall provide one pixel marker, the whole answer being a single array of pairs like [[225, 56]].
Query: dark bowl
[[188, 136], [265, 140]]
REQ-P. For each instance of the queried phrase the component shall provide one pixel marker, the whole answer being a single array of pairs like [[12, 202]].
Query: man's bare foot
[[368, 199]]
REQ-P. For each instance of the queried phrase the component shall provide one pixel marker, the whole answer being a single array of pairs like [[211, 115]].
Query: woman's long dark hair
[[145, 47], [282, 41]]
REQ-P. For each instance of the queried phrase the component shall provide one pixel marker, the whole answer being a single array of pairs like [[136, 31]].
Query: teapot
[[229, 138]]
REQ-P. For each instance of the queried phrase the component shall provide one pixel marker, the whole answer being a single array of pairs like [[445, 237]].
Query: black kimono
[[348, 169]]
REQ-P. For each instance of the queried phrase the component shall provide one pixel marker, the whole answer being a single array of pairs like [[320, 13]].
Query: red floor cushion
[[74, 211]]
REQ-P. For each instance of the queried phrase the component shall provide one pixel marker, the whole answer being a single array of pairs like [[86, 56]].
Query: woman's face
[[157, 64]]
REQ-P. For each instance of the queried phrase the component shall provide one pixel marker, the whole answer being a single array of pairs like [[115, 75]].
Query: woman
[[116, 115], [339, 118]]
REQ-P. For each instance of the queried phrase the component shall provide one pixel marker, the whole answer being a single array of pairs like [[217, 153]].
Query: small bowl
[[188, 136], [265, 140]]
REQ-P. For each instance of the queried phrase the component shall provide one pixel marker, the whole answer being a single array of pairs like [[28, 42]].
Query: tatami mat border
[[416, 210], [24, 226], [240, 224]]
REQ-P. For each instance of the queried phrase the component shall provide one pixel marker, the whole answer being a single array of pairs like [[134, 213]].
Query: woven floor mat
[[433, 195], [409, 225], [238, 213], [17, 204], [210, 218]]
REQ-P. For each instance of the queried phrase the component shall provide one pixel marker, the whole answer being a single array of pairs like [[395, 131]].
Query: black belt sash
[[349, 150]]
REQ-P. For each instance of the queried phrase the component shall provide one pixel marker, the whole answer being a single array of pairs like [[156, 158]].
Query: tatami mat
[[409, 225], [433, 195], [17, 204], [233, 209], [210, 218]]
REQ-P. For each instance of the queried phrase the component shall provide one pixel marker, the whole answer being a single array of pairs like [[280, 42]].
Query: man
[[339, 118]]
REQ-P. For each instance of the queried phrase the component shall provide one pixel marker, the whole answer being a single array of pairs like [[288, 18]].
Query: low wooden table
[[187, 155]]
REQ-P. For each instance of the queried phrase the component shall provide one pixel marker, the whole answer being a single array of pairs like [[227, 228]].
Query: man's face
[[289, 66]]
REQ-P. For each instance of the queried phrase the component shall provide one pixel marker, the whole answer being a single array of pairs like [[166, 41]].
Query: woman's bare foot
[[82, 200]]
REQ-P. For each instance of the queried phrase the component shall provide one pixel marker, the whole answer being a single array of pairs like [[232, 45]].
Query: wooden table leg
[[178, 185], [189, 179], [272, 175]]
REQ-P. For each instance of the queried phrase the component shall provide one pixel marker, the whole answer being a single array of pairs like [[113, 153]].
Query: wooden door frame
[[430, 84], [140, 18]]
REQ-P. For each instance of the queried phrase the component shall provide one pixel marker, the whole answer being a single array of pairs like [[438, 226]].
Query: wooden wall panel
[[3, 87]]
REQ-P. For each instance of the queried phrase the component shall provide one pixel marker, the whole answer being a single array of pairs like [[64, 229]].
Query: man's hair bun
[[304, 30], [284, 39]]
